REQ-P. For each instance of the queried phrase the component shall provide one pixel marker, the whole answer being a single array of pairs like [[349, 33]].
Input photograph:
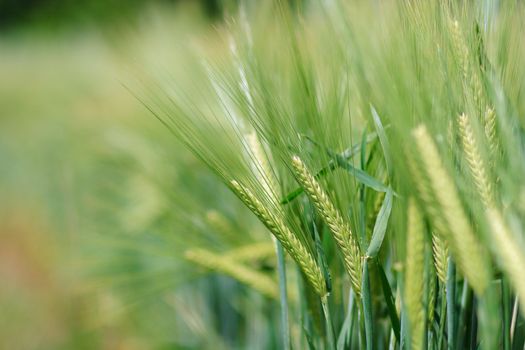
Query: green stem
[[367, 307], [442, 317], [451, 305], [328, 320], [514, 319], [362, 336], [505, 296], [466, 301], [281, 268]]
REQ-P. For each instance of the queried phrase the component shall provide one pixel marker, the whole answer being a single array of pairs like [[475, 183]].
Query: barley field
[[314, 174]]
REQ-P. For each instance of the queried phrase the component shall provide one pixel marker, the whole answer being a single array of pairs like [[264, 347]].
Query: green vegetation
[[342, 176]]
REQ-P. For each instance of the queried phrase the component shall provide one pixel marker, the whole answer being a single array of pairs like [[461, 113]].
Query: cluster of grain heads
[[332, 217], [275, 223], [227, 266], [414, 275], [508, 251], [450, 215]]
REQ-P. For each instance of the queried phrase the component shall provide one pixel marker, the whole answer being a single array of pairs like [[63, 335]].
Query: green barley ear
[[450, 216], [509, 253], [415, 275], [460, 49], [263, 170], [439, 246], [252, 252], [220, 224], [490, 132], [331, 216], [470, 76], [289, 241], [440, 254], [253, 279], [475, 161]]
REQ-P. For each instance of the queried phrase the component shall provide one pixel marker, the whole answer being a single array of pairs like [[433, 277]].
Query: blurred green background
[[91, 232]]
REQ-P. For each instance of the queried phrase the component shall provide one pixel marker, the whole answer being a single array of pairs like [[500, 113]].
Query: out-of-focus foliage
[[116, 235], [53, 13]]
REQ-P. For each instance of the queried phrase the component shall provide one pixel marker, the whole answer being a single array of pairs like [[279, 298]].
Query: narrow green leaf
[[464, 314], [390, 301], [292, 195], [380, 225], [380, 130], [343, 340], [362, 176]]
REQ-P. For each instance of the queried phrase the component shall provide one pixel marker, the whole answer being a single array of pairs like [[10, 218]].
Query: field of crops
[[292, 175]]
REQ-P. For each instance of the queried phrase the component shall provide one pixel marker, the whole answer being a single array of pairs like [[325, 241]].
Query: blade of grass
[[380, 225], [389, 300], [380, 130], [361, 176], [343, 340], [465, 307]]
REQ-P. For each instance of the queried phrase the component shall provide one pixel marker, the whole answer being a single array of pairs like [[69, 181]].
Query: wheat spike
[[288, 240], [262, 168], [414, 275], [490, 132], [220, 224], [439, 246], [451, 217], [460, 49], [469, 75], [440, 254], [475, 161], [252, 252], [340, 229], [509, 253], [256, 280]]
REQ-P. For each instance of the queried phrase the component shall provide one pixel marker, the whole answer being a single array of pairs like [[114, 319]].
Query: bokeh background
[[97, 199]]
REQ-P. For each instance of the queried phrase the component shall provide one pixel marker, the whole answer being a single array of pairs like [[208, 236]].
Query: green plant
[[368, 97]]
